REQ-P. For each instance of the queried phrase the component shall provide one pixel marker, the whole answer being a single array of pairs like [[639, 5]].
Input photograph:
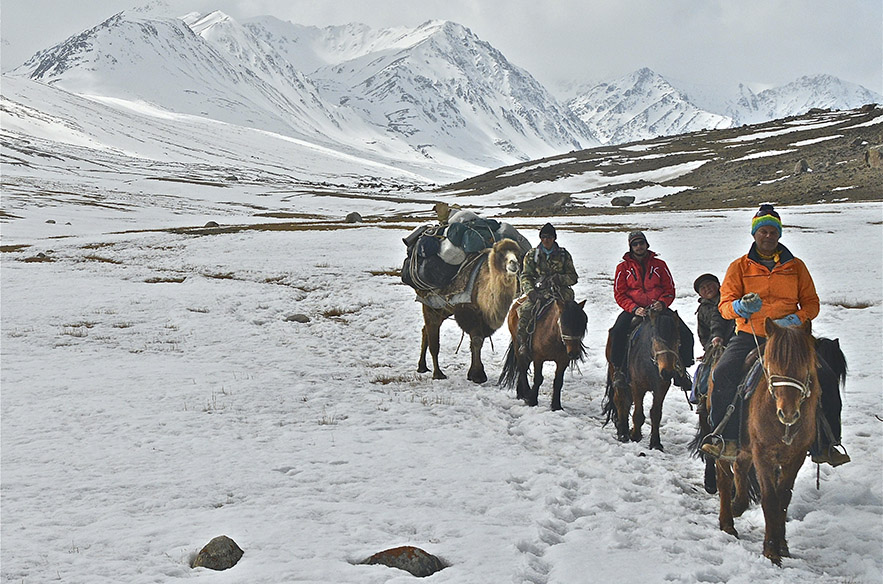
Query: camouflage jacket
[[538, 268]]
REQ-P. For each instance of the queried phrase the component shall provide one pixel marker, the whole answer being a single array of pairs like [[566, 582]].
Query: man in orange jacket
[[767, 282]]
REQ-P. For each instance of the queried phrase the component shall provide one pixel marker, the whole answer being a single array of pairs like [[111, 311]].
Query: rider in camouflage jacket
[[547, 272]]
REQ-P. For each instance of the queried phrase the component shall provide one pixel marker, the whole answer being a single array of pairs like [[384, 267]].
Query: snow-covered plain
[[155, 395]]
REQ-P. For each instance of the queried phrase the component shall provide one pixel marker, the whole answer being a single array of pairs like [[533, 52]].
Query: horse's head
[[573, 322], [665, 342], [789, 358], [505, 257]]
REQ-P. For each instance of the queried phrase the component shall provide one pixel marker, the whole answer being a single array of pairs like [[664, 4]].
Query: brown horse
[[557, 337], [496, 285], [652, 362], [780, 427]]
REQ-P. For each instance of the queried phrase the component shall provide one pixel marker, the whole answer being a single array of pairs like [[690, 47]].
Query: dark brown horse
[[557, 337], [652, 363], [780, 426]]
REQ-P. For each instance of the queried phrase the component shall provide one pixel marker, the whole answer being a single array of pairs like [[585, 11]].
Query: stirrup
[[717, 447]]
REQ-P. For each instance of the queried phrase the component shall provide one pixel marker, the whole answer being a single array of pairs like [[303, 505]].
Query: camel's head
[[506, 257]]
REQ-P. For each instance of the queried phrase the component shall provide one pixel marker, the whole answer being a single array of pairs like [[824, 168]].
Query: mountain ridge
[[435, 92]]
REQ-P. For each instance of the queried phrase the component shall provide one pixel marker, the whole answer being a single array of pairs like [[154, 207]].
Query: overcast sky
[[762, 43]]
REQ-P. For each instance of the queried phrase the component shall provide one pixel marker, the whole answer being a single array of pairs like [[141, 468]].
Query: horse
[[496, 285], [557, 337], [652, 362], [779, 428], [703, 407]]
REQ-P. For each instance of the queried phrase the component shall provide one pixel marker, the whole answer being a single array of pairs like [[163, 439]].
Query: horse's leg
[[773, 514], [533, 397], [786, 488], [424, 343], [476, 370], [725, 492], [622, 397], [656, 416], [638, 417], [432, 327], [710, 479], [741, 468], [561, 367]]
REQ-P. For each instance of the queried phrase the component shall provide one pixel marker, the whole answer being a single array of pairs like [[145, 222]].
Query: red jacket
[[633, 286]]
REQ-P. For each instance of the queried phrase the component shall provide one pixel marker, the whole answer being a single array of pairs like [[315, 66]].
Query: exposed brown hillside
[[825, 161]]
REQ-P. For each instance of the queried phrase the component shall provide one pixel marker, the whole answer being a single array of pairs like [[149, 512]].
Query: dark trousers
[[619, 336], [728, 374]]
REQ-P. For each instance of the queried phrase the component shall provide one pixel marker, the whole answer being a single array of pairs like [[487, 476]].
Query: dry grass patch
[[396, 272], [13, 248], [387, 379], [97, 258], [166, 280]]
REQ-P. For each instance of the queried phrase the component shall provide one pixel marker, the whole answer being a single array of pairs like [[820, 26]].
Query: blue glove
[[790, 320], [747, 305]]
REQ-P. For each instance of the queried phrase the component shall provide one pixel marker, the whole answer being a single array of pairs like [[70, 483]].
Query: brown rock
[[220, 553], [410, 559]]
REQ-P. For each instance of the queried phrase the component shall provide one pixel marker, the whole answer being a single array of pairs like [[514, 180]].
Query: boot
[[682, 380], [831, 456], [717, 447]]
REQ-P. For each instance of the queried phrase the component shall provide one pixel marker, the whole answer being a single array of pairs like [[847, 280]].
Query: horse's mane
[[792, 348], [667, 325], [574, 318]]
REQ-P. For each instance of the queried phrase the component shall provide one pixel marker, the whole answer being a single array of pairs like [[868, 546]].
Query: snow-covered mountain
[[645, 105], [797, 97], [438, 86], [436, 92], [640, 106]]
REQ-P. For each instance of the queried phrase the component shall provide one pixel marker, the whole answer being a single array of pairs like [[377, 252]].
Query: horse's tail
[[608, 404], [509, 374], [829, 351]]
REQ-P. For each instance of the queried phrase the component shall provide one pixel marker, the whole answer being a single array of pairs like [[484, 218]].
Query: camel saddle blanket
[[459, 291]]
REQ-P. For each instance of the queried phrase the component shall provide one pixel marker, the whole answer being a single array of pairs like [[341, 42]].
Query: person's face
[[708, 289], [548, 241], [639, 248], [767, 239]]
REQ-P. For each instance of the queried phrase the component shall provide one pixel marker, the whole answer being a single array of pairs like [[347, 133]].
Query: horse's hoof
[[636, 437], [422, 369], [731, 530], [622, 437], [439, 375], [774, 558], [556, 407], [477, 377], [656, 446], [783, 550]]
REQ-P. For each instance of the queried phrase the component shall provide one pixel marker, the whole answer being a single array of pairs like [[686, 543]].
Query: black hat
[[702, 279], [637, 235], [548, 229]]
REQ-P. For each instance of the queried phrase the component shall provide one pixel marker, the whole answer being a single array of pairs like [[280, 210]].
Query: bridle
[[774, 381]]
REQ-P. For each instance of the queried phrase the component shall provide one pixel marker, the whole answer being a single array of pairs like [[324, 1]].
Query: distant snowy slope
[[644, 104], [439, 87], [797, 97], [640, 106], [163, 62]]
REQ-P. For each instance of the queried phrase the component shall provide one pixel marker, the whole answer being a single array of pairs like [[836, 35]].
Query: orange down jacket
[[786, 289]]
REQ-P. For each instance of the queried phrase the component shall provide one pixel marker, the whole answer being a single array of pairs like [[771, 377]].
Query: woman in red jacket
[[643, 282], [767, 282]]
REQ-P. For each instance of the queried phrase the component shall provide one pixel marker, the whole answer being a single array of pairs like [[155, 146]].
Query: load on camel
[[466, 267]]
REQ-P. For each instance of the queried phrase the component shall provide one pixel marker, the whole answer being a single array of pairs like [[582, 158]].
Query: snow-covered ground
[[155, 395]]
